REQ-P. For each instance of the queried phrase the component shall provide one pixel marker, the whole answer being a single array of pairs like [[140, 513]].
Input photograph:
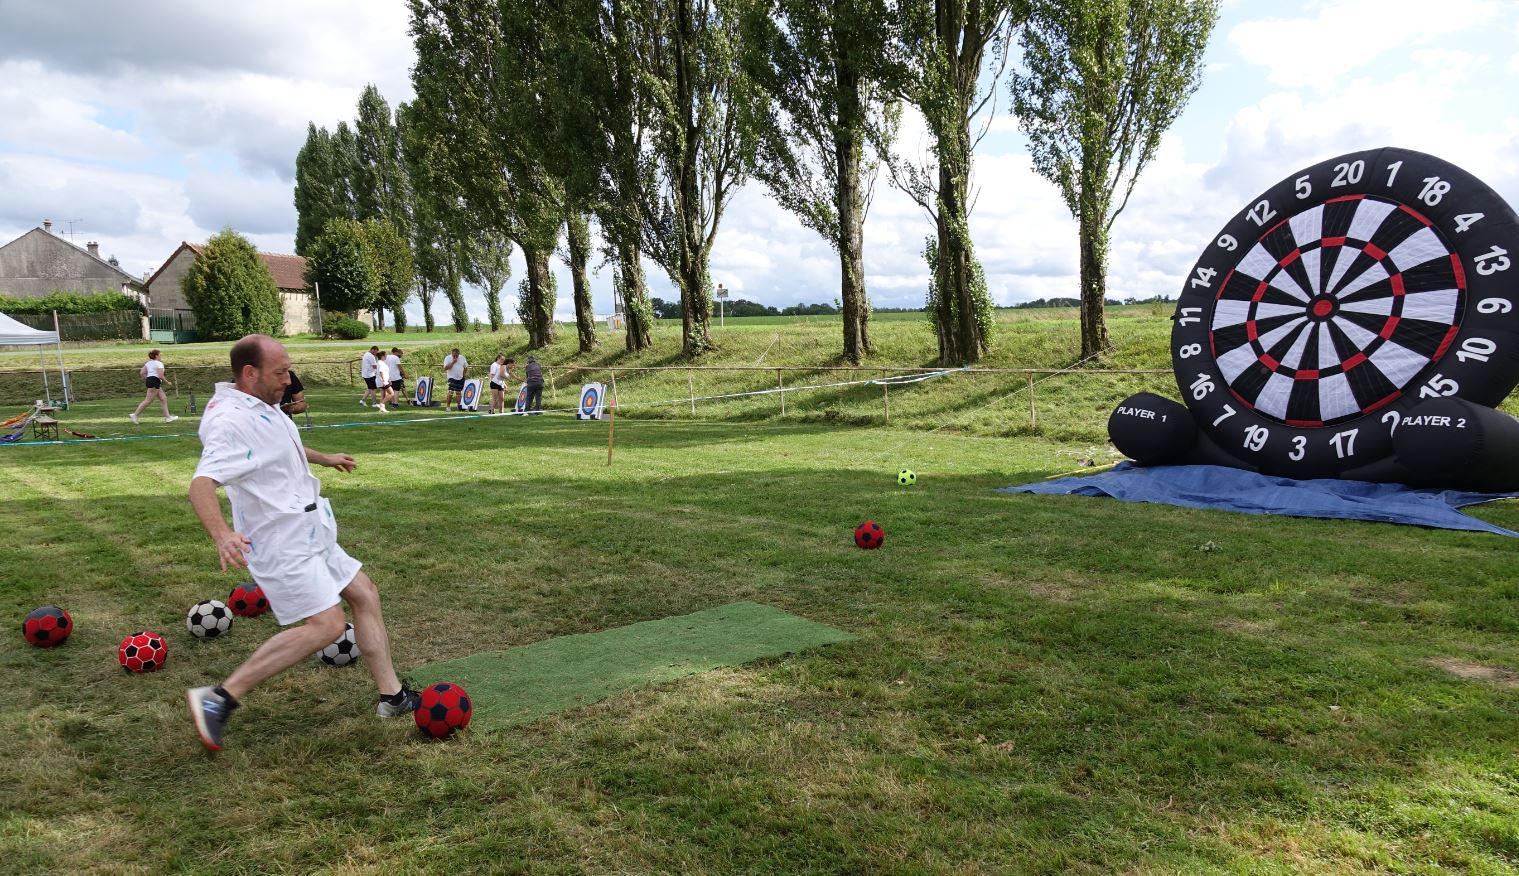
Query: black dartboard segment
[[1340, 298]]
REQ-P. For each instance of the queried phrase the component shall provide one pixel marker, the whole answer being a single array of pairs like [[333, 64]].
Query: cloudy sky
[[140, 125]]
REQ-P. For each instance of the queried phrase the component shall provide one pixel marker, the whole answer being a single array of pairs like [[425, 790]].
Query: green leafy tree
[[389, 254], [826, 69], [954, 53], [1103, 80], [702, 116], [323, 190], [599, 131], [478, 76], [490, 269], [231, 291], [340, 262], [382, 187]]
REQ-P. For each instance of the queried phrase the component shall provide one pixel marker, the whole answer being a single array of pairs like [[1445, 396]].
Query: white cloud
[[1319, 51]]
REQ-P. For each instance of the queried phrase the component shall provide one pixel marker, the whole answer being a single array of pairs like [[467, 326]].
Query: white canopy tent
[[15, 334]]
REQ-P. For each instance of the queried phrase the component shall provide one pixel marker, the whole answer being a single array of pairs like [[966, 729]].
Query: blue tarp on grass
[[1232, 489]]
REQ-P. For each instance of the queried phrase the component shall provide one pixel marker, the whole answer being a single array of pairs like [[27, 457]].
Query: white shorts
[[304, 570], [310, 585]]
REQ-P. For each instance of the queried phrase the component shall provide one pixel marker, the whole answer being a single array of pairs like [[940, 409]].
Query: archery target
[[590, 401], [520, 406], [469, 399], [1340, 298], [423, 396]]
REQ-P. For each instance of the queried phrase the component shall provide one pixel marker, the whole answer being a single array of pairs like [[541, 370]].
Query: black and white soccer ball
[[209, 619], [342, 652]]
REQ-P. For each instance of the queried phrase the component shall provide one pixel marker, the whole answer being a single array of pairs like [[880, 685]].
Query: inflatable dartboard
[[1333, 307]]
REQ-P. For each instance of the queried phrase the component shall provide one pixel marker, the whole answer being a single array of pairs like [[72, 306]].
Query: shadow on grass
[[1041, 685]]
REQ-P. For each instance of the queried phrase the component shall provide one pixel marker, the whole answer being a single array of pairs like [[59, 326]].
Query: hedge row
[[69, 302]]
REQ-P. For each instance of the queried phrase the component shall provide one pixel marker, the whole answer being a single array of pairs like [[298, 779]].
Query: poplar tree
[[824, 66], [1102, 82], [955, 51]]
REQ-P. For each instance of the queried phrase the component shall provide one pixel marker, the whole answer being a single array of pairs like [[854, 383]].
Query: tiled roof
[[289, 271]]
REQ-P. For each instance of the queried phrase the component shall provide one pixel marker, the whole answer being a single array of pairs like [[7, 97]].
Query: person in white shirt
[[283, 531], [152, 373], [501, 372], [456, 366], [397, 374], [367, 371], [382, 383]]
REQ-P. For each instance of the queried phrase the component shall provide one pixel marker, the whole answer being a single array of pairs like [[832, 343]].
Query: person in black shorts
[[152, 373], [397, 374], [367, 371], [501, 372], [294, 400], [455, 368]]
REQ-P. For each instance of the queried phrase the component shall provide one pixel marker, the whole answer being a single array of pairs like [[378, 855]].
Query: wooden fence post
[[885, 398], [691, 388], [1033, 413], [782, 387], [611, 416]]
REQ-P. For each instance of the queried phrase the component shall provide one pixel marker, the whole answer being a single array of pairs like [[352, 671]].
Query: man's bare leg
[[363, 597], [285, 649]]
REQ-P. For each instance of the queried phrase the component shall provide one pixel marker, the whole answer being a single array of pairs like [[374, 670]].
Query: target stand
[[469, 399], [591, 407], [423, 396], [1359, 320]]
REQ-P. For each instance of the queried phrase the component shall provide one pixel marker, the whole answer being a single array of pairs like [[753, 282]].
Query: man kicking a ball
[[285, 534]]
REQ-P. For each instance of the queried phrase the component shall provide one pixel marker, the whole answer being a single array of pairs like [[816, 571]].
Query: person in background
[[456, 367], [501, 372], [152, 373], [534, 371], [382, 383], [367, 370], [397, 374], [294, 399]]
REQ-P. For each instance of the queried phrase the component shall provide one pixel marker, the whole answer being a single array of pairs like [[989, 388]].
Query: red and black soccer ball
[[47, 626], [142, 651], [869, 535], [247, 600], [445, 709]]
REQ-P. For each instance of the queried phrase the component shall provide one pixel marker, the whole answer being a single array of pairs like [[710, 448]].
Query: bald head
[[261, 367]]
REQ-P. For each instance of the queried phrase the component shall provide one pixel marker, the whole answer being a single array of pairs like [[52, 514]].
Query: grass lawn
[[1040, 685]]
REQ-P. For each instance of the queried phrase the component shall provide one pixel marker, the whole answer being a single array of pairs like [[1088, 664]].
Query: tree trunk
[[850, 204], [635, 297], [425, 293], [579, 236], [398, 316], [1094, 283], [493, 303], [540, 322], [695, 307], [455, 292], [379, 317]]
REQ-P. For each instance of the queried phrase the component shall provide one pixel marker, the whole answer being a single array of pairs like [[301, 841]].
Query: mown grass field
[[1041, 685]]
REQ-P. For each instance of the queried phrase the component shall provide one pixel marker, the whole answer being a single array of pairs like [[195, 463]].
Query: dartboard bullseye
[[1334, 304]]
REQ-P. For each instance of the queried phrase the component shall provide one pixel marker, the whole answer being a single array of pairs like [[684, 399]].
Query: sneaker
[[403, 702], [210, 711], [170, 418], [364, 402], [133, 418], [381, 409]]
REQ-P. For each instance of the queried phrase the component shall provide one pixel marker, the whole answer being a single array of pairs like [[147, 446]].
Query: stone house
[[39, 263], [166, 296]]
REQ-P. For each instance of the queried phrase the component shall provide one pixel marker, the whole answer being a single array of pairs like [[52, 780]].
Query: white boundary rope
[[879, 381]]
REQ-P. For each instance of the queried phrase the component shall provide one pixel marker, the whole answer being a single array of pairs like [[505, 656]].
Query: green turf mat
[[521, 685]]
